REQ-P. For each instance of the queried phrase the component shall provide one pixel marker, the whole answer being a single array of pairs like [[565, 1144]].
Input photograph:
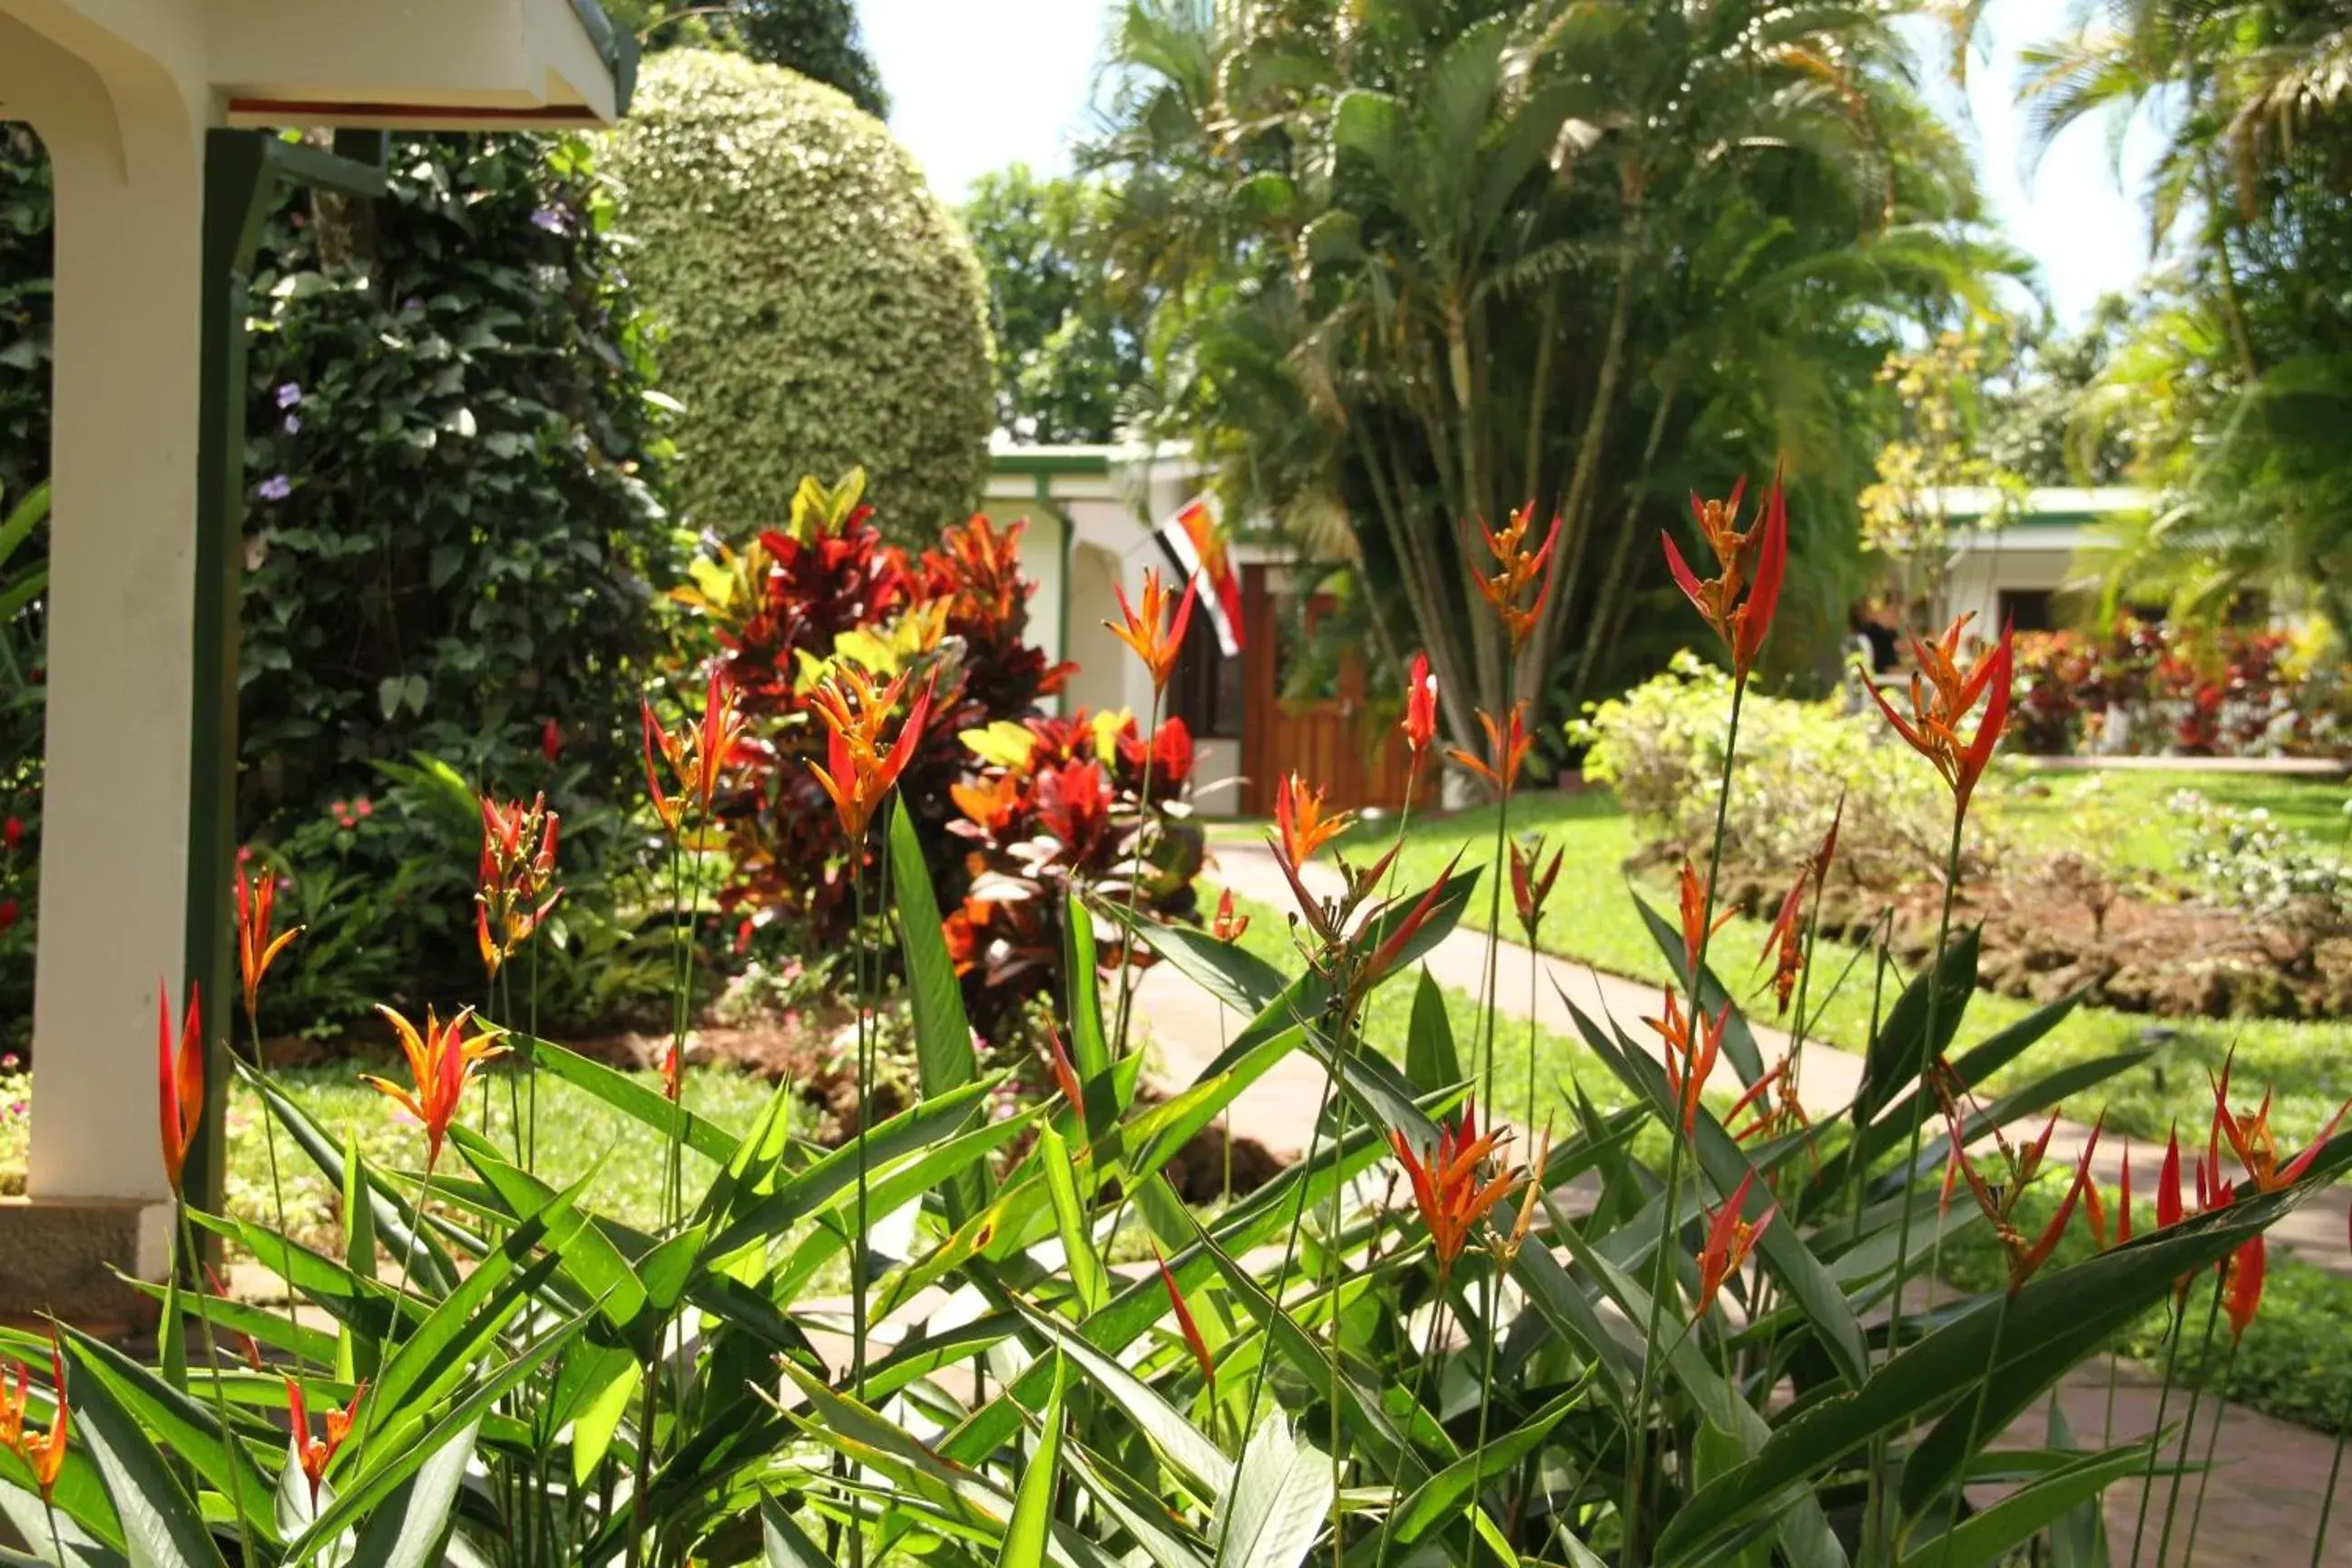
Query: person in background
[[1872, 630]]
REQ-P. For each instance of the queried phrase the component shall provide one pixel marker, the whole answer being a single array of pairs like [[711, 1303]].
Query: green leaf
[[1226, 971], [943, 1054], [160, 1521], [178, 1421], [638, 1101], [407, 1530], [1089, 1046], [2078, 1537], [1989, 1536], [1429, 1059], [1903, 1048], [1201, 1465], [1078, 1244], [1032, 1507], [430, 1269], [1282, 1494], [785, 1544], [1441, 1499], [586, 1255]]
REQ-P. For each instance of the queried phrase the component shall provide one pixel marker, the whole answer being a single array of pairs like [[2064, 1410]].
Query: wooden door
[[1333, 738]]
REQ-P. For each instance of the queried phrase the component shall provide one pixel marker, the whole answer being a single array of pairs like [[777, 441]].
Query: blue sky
[[977, 84]]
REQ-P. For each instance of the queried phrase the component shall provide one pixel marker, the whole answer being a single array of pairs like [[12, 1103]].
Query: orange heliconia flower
[[1065, 1075], [2242, 1298], [316, 1453], [1998, 1202], [1385, 957], [1185, 1322], [1155, 643], [1784, 946], [696, 753], [512, 892], [442, 1060], [1508, 744], [2250, 1138], [1943, 695], [1420, 708], [179, 1081], [45, 1455], [1451, 1189], [1688, 1060], [1532, 888], [1775, 1110], [1519, 567], [1691, 894], [1228, 926], [12, 1407], [1738, 601], [858, 771], [255, 948], [1729, 1239], [673, 1071], [2169, 1207]]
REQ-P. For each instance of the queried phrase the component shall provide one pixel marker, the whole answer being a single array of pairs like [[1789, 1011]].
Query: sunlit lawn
[[1592, 919]]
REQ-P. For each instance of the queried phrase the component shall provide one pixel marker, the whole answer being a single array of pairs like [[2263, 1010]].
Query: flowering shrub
[[1007, 823], [16, 1121], [1661, 748], [2148, 687]]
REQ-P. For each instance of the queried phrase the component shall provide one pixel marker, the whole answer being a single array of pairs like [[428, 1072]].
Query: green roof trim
[[616, 48], [1063, 461]]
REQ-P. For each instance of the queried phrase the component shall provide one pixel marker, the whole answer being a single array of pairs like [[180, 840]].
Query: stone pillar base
[[66, 1256]]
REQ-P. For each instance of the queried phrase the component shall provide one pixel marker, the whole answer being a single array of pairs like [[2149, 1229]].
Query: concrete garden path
[[2262, 1503]]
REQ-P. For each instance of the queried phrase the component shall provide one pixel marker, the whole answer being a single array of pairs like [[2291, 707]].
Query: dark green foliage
[[1068, 346], [26, 214], [821, 309], [451, 544]]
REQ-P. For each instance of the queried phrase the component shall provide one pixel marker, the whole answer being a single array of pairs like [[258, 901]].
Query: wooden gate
[[1332, 737]]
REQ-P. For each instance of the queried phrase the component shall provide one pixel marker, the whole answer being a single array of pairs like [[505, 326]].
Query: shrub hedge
[[822, 310]]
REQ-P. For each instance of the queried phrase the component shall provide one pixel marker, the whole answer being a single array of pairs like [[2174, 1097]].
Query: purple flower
[[548, 219], [293, 425], [276, 486], [290, 394], [410, 304]]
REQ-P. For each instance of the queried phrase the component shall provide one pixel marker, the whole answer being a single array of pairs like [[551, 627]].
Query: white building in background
[[2019, 570]]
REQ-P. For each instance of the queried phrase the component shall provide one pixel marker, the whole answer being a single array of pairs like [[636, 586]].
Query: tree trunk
[[1611, 587]]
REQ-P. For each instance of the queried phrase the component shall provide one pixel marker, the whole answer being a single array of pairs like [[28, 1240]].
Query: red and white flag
[[1199, 541]]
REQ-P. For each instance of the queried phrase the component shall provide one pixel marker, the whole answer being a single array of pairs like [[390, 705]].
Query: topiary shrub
[[822, 310]]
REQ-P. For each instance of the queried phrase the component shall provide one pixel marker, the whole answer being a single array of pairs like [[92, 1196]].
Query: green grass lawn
[[578, 1134], [1592, 919], [2129, 813]]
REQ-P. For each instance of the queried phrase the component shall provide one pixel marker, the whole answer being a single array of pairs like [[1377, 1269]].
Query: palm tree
[[1429, 261]]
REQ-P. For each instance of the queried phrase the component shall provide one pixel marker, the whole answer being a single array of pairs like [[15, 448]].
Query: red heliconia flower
[[2000, 1204], [696, 753], [1065, 1076], [1449, 1188], [1301, 828], [1508, 744], [1729, 1239], [551, 741], [2242, 1298], [1776, 1111], [2250, 1140], [1157, 645], [1942, 702], [1784, 946], [1186, 1324], [1689, 1061], [858, 771], [1517, 570], [1739, 600], [1228, 926], [1692, 895], [1384, 957], [1530, 888], [317, 1453], [2124, 1201], [180, 1080], [514, 893], [673, 1071], [442, 1061], [257, 949], [46, 1454], [1420, 708], [2169, 1208]]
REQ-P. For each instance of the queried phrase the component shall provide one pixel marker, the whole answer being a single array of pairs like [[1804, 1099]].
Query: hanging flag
[[1200, 547]]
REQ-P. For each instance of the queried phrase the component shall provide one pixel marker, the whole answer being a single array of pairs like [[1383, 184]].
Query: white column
[[127, 148]]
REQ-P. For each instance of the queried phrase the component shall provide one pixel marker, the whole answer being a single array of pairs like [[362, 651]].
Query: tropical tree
[[818, 39], [2236, 382], [1431, 261], [1069, 349]]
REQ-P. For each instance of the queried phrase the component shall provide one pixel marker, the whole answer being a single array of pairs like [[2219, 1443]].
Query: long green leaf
[[785, 1544], [1991, 1535], [1441, 1498], [943, 1056], [1201, 1465], [1903, 1048], [1226, 971], [407, 1529], [1032, 1506], [1090, 1048], [1282, 1494], [1077, 1243], [1429, 1059], [178, 1422], [638, 1101], [160, 1524]]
